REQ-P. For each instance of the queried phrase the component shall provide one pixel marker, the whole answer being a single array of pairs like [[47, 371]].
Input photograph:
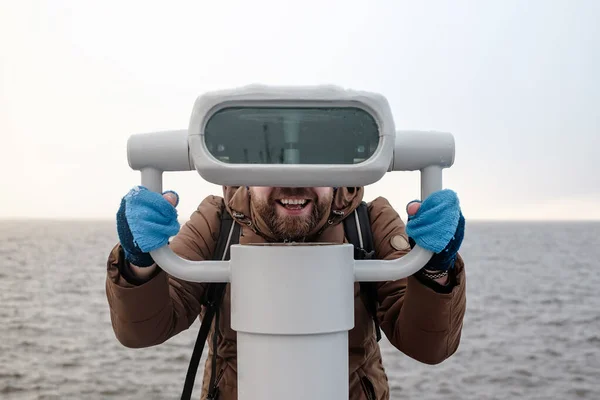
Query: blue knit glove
[[438, 226], [145, 222]]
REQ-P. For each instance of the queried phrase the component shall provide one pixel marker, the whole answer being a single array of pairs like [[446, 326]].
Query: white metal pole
[[431, 180], [384, 270], [152, 179]]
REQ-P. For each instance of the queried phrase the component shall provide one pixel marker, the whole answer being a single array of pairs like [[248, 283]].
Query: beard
[[292, 227]]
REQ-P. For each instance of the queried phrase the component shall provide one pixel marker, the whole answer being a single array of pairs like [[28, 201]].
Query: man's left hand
[[437, 224]]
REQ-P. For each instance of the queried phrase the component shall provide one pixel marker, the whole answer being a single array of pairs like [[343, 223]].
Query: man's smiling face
[[291, 213]]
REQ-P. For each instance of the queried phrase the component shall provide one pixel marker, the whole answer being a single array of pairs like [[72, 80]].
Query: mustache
[[284, 192]]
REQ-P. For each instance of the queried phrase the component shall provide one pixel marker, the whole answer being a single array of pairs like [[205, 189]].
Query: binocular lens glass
[[284, 135]]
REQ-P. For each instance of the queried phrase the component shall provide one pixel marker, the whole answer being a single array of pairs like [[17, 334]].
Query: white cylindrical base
[[292, 306], [293, 366]]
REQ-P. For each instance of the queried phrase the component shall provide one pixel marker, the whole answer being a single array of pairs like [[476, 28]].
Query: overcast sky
[[516, 82]]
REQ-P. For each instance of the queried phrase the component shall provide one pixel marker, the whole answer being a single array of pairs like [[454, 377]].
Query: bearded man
[[422, 315]]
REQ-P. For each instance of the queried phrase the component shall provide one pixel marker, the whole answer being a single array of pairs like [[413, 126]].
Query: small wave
[[11, 389], [474, 379], [552, 300], [523, 372], [558, 323], [593, 339], [26, 344], [12, 375], [179, 358], [69, 364], [552, 353], [580, 392]]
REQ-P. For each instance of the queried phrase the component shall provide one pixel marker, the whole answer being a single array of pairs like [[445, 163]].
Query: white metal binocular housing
[[292, 137]]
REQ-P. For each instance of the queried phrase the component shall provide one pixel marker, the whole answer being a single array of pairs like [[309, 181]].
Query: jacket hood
[[237, 203]]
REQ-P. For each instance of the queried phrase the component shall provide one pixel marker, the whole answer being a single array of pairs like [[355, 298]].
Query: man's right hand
[[145, 222]]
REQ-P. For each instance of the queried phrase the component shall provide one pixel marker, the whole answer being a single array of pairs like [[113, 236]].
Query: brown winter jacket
[[418, 319]]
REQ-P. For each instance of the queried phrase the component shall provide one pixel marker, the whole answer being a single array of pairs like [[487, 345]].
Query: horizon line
[[98, 219]]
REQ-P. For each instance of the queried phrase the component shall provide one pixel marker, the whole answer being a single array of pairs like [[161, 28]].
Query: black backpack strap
[[357, 228], [229, 234]]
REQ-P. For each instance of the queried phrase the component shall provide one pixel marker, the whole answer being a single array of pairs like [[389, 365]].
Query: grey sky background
[[516, 82]]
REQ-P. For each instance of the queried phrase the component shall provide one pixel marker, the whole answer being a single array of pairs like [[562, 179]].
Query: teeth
[[293, 201]]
